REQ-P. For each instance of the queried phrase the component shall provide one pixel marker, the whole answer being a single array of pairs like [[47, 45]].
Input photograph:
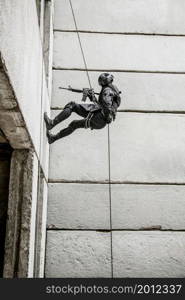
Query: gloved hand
[[88, 93]]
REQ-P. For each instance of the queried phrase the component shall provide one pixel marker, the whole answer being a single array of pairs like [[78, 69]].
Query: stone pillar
[[5, 155], [40, 230], [20, 208]]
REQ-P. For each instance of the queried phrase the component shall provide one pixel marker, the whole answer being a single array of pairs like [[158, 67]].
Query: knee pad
[[71, 105]]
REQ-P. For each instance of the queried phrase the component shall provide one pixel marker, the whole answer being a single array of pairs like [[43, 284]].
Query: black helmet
[[105, 79]]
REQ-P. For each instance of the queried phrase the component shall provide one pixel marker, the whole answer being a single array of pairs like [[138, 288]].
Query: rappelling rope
[[90, 115], [83, 55], [88, 125]]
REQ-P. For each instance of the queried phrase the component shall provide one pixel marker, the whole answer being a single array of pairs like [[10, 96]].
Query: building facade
[[25, 81], [99, 203]]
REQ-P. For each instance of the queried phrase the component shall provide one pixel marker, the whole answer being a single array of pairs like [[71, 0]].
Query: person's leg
[[63, 115], [97, 121], [66, 131]]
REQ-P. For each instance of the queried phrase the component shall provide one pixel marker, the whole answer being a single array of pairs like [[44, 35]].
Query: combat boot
[[51, 137], [48, 121]]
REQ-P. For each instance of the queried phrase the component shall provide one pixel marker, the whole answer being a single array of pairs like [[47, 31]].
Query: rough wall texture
[[142, 42], [24, 97], [11, 120], [17, 246]]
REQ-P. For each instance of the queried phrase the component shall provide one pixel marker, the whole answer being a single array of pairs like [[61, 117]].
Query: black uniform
[[95, 115]]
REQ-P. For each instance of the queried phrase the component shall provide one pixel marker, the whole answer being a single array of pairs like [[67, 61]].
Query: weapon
[[85, 93], [76, 90]]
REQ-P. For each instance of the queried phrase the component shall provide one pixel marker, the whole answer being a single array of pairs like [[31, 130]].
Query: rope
[[110, 198], [83, 55], [110, 201]]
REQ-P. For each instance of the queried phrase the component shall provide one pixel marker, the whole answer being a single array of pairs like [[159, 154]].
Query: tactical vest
[[116, 100]]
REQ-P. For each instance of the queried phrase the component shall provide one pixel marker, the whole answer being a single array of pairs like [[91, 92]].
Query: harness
[[88, 119], [91, 114]]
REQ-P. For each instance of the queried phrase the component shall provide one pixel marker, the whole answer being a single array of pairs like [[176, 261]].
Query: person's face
[[99, 82]]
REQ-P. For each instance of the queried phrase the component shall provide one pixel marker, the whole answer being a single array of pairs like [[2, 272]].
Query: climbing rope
[[109, 169], [80, 43], [110, 199]]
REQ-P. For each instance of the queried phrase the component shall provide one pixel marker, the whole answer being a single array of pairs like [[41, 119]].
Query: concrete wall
[[136, 16], [21, 49], [142, 42]]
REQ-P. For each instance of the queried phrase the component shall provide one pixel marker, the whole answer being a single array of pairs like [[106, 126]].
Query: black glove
[[88, 93]]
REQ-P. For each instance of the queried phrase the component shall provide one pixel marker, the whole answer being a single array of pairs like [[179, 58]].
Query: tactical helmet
[[105, 79]]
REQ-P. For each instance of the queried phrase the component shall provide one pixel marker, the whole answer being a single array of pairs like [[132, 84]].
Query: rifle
[[75, 90], [84, 92]]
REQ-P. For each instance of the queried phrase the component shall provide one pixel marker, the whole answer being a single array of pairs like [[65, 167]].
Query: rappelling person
[[95, 115]]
